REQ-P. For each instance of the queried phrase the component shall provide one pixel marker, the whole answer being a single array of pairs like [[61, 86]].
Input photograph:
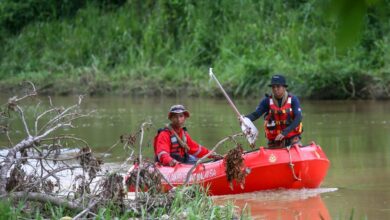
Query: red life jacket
[[279, 119], [176, 148]]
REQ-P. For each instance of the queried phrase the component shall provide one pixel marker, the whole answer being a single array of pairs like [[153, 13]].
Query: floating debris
[[235, 169], [149, 178]]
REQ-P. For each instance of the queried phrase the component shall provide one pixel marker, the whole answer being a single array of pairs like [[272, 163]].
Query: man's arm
[[196, 149], [163, 145], [296, 108], [262, 108]]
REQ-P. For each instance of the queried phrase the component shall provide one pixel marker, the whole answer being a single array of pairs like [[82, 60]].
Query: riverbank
[[109, 47], [89, 84]]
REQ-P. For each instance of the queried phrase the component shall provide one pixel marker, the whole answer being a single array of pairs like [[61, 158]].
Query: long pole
[[247, 127], [224, 93]]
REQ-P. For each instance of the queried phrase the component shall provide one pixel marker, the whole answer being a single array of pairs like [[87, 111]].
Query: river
[[355, 135]]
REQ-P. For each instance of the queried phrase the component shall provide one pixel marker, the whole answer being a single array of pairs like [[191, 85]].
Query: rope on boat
[[292, 165]]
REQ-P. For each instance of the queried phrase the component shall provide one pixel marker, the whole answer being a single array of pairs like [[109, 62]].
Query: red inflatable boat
[[290, 168]]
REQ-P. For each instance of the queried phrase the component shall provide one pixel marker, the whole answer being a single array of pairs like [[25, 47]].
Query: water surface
[[353, 134]]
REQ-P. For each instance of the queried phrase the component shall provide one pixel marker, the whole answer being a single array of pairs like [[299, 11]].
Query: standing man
[[283, 116], [173, 144]]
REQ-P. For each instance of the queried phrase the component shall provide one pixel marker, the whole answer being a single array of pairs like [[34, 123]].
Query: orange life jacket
[[279, 119], [176, 149]]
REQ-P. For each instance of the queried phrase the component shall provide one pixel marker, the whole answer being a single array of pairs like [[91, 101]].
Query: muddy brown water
[[355, 135]]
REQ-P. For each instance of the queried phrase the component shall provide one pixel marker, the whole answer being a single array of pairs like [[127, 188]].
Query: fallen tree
[[44, 164], [33, 167]]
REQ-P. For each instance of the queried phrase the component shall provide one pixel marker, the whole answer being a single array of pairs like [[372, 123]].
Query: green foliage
[[167, 46], [189, 203], [6, 210], [193, 203], [15, 14]]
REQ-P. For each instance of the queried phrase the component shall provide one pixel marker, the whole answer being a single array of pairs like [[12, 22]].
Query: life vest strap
[[182, 142]]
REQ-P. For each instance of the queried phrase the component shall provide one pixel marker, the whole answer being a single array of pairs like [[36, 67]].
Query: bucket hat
[[176, 109], [278, 80]]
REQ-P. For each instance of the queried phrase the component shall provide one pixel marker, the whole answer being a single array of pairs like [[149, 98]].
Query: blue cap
[[278, 80]]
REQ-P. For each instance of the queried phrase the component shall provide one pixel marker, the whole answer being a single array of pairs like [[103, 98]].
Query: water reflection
[[281, 204], [353, 134]]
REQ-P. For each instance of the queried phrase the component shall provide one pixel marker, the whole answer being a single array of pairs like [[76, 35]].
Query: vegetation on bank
[[185, 203], [166, 47]]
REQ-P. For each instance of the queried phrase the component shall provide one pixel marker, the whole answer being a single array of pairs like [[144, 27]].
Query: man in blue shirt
[[282, 114]]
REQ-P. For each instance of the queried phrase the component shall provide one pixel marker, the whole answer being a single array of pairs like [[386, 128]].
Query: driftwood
[[33, 168], [39, 144], [41, 197]]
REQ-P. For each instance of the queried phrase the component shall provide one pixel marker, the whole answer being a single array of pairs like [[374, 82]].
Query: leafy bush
[[169, 45]]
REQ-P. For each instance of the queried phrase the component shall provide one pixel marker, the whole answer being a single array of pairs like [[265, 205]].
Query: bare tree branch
[[140, 154], [38, 169], [32, 93], [85, 211], [8, 137], [40, 197], [162, 176], [208, 154], [62, 137], [23, 120], [62, 120], [40, 116], [56, 119]]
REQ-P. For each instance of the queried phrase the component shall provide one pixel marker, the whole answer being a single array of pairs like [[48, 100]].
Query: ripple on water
[[280, 194]]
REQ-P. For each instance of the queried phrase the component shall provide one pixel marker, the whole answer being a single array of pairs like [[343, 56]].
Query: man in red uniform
[[283, 115], [174, 145]]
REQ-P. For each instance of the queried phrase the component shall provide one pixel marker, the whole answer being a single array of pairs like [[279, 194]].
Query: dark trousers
[[285, 142], [187, 159]]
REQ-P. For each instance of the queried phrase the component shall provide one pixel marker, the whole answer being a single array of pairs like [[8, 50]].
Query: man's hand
[[240, 119], [279, 137], [173, 163]]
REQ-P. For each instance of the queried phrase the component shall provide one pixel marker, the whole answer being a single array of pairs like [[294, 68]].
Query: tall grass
[[189, 203], [154, 47]]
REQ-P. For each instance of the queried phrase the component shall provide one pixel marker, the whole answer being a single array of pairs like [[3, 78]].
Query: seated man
[[173, 144]]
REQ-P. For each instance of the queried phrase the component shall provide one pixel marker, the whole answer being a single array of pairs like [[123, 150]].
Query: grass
[[169, 47], [189, 203]]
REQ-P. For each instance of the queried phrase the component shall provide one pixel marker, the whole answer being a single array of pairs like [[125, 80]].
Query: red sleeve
[[195, 148], [163, 148]]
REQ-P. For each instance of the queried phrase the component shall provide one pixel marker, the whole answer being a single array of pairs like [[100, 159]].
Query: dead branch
[[140, 154], [49, 158], [34, 168], [231, 137], [32, 93], [162, 176], [85, 211], [17, 153], [23, 120], [62, 137], [41, 197], [40, 116]]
